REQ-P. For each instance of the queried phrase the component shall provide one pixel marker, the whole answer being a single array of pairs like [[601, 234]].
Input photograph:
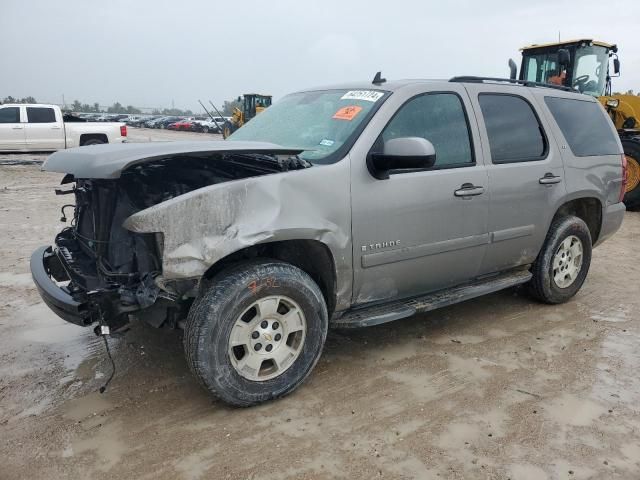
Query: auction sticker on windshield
[[347, 113], [368, 95]]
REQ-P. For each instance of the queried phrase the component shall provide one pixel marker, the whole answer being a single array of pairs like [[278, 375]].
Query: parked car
[[211, 125], [186, 124], [166, 121], [40, 127], [150, 123], [344, 207]]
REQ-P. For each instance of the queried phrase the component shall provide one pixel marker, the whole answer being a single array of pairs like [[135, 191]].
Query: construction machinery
[[584, 65], [252, 104]]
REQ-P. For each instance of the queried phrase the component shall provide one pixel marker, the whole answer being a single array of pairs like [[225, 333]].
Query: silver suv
[[345, 207]]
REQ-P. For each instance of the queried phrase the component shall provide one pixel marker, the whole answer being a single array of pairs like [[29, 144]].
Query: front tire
[[255, 332], [563, 263]]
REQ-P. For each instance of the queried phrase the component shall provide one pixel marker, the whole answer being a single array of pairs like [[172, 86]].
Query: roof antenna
[[378, 80]]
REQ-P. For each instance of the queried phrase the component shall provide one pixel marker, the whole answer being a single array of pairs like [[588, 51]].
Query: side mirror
[[564, 57], [616, 66], [405, 153]]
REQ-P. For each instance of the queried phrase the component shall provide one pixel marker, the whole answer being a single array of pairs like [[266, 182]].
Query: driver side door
[[421, 231]]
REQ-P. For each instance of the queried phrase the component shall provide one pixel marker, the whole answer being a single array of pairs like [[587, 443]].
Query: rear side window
[[585, 126], [439, 118], [10, 115], [515, 133], [40, 115]]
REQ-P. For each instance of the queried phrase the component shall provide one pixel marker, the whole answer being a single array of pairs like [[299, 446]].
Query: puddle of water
[[196, 465], [86, 406], [569, 409], [527, 472], [74, 343], [105, 444]]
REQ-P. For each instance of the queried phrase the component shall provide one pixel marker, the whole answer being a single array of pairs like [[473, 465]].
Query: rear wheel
[[93, 141], [632, 193], [205, 129], [563, 263], [256, 332]]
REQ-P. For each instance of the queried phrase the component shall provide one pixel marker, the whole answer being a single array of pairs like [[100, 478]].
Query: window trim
[[472, 163], [19, 114], [566, 141], [40, 108], [545, 138]]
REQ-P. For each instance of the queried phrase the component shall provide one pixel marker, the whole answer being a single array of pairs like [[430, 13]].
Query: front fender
[[206, 225]]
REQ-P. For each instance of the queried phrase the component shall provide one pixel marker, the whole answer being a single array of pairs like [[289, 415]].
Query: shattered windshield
[[322, 123]]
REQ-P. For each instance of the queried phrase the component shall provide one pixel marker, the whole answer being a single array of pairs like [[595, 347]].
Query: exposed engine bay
[[111, 270]]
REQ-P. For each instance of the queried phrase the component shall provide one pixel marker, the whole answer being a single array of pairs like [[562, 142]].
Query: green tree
[[132, 109], [96, 108], [77, 106], [115, 108], [230, 105]]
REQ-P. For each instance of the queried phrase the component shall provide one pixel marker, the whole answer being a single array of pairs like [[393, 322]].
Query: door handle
[[550, 179], [55, 128], [468, 190], [17, 128]]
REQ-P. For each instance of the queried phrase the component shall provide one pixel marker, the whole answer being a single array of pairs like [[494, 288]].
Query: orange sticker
[[347, 113]]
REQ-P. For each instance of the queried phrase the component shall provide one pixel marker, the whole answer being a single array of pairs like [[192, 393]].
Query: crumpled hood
[[108, 161]]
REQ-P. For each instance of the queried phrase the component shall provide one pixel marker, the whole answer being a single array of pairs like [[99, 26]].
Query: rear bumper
[[612, 217], [43, 262]]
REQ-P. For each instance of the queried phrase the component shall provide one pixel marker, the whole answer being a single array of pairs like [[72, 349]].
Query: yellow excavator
[[584, 65], [252, 104]]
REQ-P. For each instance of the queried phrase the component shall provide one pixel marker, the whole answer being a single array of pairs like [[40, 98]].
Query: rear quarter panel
[[74, 130], [598, 176]]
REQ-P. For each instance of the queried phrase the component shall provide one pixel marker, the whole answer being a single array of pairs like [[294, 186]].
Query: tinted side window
[[40, 115], [585, 126], [10, 115], [515, 134], [439, 118]]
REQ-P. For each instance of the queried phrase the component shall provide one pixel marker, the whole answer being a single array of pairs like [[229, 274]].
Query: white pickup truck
[[37, 127]]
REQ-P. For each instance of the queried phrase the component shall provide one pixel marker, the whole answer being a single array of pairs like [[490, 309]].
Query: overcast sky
[[150, 53]]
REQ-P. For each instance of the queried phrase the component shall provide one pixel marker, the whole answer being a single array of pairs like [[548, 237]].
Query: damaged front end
[[98, 271]]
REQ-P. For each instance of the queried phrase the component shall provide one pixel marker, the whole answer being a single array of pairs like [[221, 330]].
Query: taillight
[[625, 174], [123, 131]]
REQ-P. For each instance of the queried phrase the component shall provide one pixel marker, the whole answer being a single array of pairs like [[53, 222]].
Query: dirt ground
[[498, 387]]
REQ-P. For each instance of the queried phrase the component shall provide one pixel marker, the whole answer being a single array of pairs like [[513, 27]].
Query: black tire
[[632, 151], [93, 141], [221, 302], [543, 286], [227, 129]]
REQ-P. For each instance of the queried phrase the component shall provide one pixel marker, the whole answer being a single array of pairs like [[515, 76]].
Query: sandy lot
[[499, 387]]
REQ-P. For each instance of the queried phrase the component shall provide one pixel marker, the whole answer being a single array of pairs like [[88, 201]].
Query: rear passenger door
[[526, 174], [11, 129], [43, 130]]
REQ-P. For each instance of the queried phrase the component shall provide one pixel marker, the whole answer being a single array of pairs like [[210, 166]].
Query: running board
[[378, 314]]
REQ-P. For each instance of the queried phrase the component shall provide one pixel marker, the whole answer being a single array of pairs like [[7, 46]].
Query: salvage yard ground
[[498, 387]]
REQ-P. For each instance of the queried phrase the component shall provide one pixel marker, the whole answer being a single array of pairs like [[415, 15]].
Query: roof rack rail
[[526, 83]]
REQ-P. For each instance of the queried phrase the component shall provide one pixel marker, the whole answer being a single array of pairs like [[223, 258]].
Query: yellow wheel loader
[[252, 104], [584, 65]]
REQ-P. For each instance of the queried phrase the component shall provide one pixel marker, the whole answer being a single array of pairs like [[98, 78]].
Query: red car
[[181, 125]]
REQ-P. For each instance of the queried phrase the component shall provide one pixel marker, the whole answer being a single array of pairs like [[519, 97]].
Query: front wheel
[[563, 263], [256, 332]]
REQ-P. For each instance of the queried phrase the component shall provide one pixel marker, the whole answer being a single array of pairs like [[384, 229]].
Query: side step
[[378, 314]]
